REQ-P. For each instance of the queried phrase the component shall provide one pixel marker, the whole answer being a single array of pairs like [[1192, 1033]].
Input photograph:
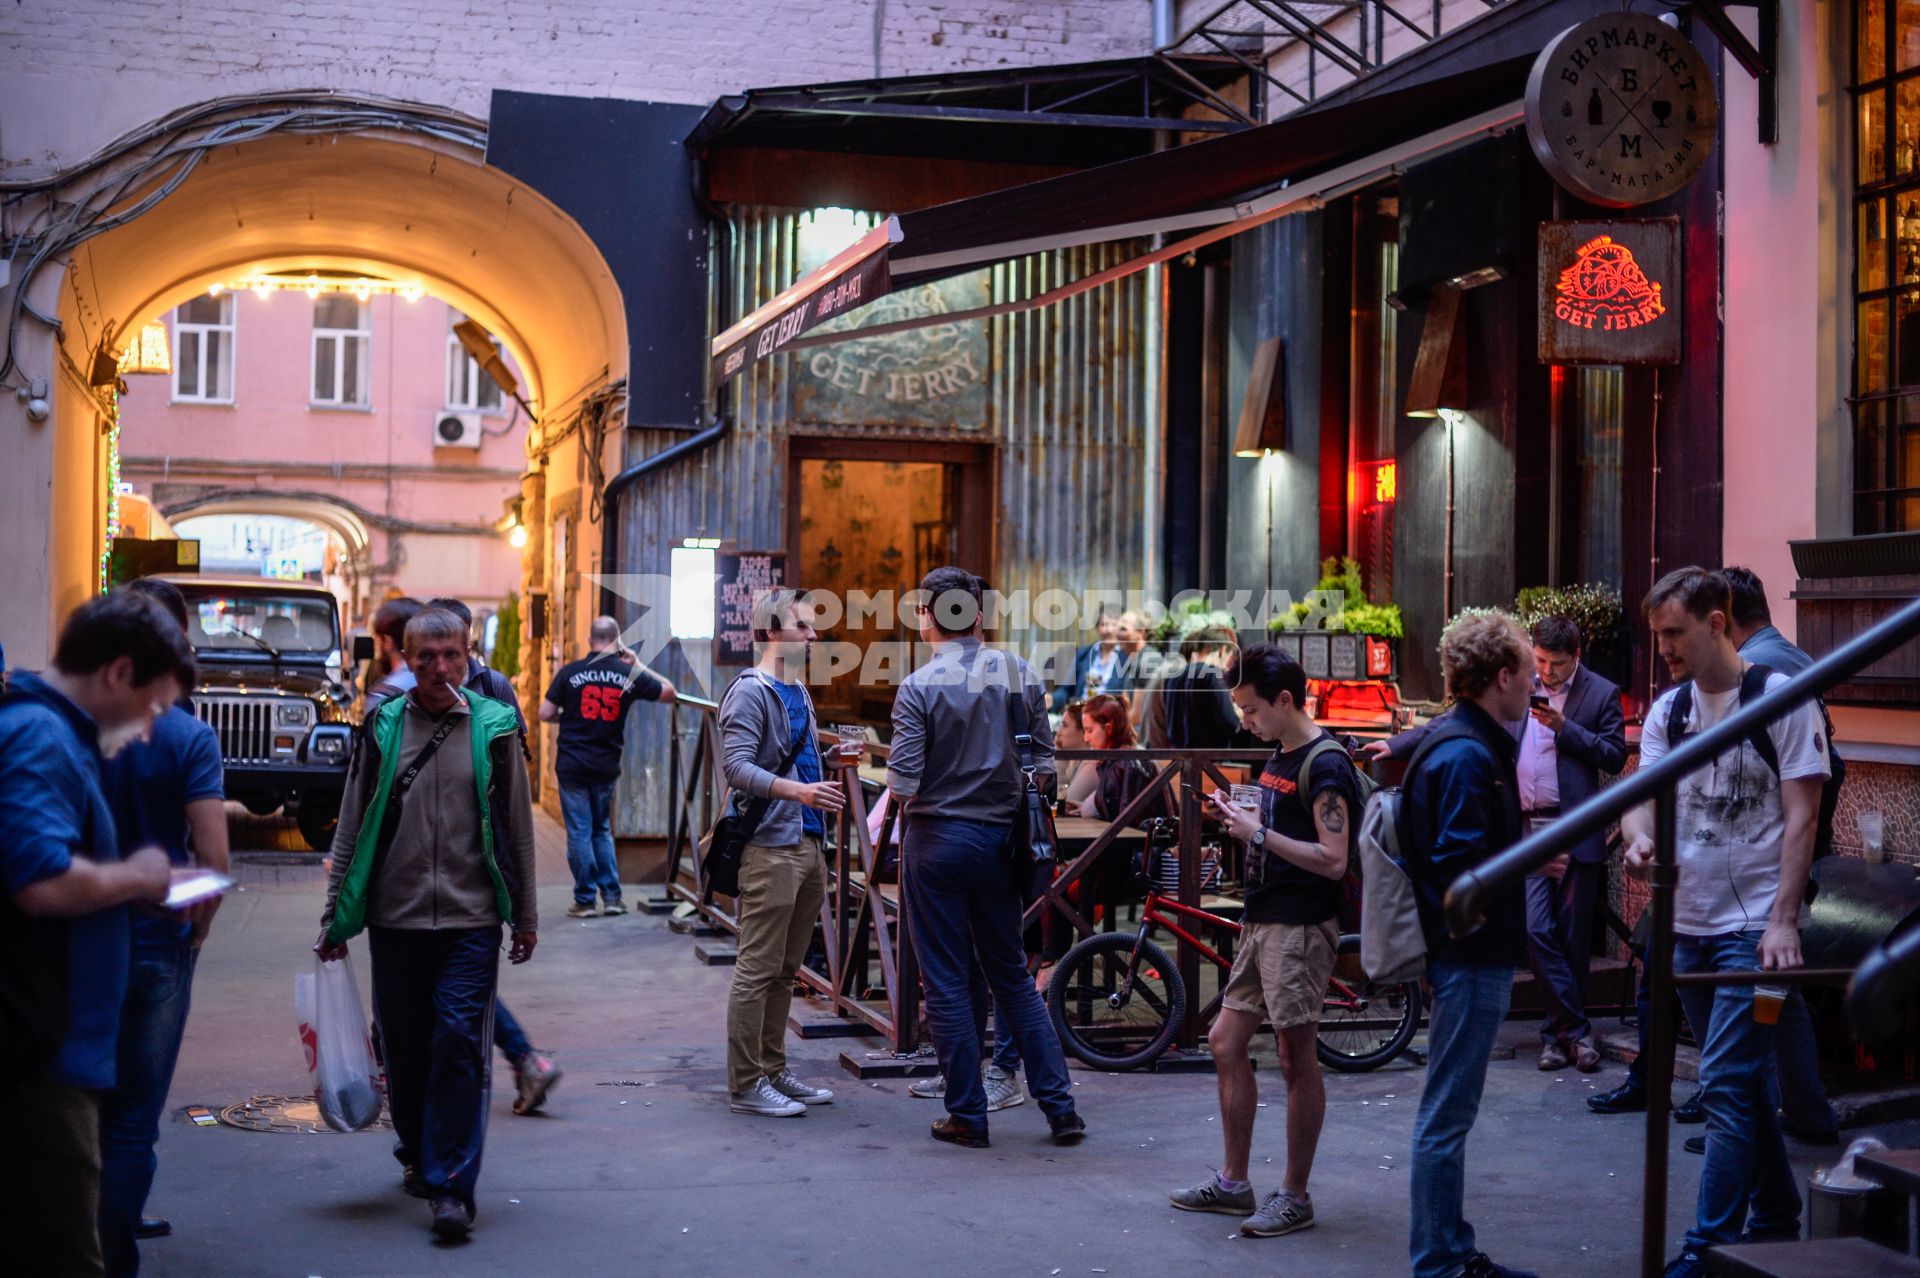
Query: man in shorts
[[1296, 858]]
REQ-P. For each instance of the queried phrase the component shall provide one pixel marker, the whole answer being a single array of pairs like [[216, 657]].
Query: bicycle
[[1117, 999]]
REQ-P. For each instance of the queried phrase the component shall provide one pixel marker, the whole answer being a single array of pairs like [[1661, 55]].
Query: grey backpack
[[1392, 946]]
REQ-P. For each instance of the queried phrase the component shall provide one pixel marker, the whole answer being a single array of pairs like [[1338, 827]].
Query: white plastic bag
[[333, 1029]]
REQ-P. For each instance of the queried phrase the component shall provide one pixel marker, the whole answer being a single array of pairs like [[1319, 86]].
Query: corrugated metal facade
[[1067, 408]]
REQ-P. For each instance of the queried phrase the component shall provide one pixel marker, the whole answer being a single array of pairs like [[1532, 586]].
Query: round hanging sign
[[1621, 110]]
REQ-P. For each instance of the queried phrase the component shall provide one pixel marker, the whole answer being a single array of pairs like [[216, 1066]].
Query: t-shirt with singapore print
[[594, 695]]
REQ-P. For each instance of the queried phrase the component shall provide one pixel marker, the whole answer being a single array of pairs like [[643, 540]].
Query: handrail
[[1885, 975], [1467, 894], [1659, 782]]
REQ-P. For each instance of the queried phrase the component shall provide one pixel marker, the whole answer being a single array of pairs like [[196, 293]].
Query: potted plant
[[1355, 639]]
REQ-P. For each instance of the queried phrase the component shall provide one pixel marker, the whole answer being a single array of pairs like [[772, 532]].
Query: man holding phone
[[1296, 858]]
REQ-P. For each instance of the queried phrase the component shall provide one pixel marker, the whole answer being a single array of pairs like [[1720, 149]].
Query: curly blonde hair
[[1476, 647]]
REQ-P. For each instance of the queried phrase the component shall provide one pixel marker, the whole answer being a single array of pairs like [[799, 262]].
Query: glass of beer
[[1245, 797], [1766, 1003], [853, 741]]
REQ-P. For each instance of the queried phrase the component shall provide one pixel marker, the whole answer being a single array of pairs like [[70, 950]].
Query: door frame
[[976, 496]]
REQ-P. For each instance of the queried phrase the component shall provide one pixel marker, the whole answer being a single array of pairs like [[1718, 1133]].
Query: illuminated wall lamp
[[148, 352], [1262, 427], [1439, 378]]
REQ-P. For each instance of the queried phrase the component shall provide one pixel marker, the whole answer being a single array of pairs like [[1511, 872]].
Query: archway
[[417, 209]]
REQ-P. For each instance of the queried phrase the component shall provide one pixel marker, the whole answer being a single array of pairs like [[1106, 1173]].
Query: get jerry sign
[[1609, 292]]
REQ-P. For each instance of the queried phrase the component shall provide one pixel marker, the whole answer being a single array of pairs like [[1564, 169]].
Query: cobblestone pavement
[[638, 1168]]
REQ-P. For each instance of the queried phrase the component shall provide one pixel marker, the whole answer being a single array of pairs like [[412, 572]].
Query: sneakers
[[1068, 1129], [451, 1220], [1552, 1056], [1688, 1264], [1003, 1089], [1585, 1058], [762, 1100], [412, 1182], [533, 1077], [1280, 1213], [1480, 1265], [1208, 1196], [955, 1132], [579, 911], [793, 1089], [613, 907]]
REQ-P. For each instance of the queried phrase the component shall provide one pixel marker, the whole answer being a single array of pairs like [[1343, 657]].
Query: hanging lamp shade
[[148, 352]]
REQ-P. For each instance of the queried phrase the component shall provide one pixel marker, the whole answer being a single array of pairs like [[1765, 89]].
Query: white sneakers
[[781, 1096], [761, 1099]]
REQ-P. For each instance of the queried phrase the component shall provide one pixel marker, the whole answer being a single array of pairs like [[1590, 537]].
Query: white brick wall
[[76, 73]]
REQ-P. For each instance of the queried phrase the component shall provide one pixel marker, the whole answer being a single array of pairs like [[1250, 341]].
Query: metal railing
[[1656, 784], [863, 921]]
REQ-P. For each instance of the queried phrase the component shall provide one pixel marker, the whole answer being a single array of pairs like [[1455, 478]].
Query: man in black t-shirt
[[590, 699], [1296, 858]]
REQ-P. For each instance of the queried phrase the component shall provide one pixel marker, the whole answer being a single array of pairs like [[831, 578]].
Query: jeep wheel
[[317, 817]]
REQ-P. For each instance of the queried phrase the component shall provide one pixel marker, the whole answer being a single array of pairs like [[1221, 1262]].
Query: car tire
[[317, 817]]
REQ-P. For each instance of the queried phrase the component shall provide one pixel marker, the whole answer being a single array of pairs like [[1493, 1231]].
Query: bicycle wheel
[[1106, 1019], [1364, 1025]]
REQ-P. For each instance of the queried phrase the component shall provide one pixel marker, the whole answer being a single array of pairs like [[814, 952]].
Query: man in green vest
[[433, 857]]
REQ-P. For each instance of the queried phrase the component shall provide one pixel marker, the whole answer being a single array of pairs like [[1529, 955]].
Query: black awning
[[1247, 177], [1189, 186]]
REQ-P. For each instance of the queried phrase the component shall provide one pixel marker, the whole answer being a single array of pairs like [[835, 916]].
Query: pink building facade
[[363, 416]]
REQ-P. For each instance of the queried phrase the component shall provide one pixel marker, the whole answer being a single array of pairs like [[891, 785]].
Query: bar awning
[[1218, 187]]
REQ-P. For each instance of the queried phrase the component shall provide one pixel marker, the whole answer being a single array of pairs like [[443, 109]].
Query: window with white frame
[[203, 350], [468, 385], [342, 351]]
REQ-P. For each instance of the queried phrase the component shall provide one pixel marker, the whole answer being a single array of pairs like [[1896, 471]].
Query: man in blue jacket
[[1460, 806], [64, 889]]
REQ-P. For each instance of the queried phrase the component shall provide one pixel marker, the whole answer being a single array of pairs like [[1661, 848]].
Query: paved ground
[[638, 1168]]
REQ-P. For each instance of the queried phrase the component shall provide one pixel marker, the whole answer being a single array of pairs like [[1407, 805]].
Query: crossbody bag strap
[[390, 819], [755, 810], [1020, 719]]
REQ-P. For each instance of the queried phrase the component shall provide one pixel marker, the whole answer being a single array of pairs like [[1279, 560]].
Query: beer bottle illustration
[[1593, 109]]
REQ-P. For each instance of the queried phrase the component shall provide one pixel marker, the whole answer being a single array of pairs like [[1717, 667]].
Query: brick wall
[[76, 73]]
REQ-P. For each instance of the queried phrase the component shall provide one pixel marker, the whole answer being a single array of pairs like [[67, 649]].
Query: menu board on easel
[[742, 575]]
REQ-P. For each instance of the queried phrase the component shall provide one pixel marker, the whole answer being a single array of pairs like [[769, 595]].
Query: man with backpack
[[1310, 799], [1744, 831], [1459, 806], [1803, 1096], [770, 752]]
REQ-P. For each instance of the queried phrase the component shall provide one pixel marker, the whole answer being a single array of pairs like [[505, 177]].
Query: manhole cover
[[295, 1115]]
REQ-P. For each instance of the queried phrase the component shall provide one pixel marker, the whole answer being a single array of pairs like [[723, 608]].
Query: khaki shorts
[[1281, 972]]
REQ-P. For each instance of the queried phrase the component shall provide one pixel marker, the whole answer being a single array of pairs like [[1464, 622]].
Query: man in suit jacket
[[1574, 733]]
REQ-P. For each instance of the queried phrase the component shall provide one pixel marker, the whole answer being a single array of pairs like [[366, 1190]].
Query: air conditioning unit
[[457, 430]]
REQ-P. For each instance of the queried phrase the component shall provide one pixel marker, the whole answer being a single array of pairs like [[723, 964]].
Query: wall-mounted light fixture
[[1262, 427], [148, 351], [1440, 366], [694, 573]]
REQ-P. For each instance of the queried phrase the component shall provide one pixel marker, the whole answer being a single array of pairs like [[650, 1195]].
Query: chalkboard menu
[[742, 576]]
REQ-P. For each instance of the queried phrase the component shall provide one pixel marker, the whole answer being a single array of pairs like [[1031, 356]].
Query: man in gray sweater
[[434, 855], [770, 751]]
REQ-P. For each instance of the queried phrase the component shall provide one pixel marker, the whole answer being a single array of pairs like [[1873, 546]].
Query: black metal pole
[[1660, 1040]]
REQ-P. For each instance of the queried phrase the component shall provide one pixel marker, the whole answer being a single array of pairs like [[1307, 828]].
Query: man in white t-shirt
[[1744, 827]]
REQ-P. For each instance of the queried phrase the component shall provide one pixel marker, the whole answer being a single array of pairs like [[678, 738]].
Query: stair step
[[1814, 1258], [716, 953]]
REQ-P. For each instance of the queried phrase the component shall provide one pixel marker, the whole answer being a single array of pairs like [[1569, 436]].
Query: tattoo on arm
[[1333, 812]]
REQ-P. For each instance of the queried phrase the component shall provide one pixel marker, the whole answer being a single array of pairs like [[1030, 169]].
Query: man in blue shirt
[[168, 792], [64, 889]]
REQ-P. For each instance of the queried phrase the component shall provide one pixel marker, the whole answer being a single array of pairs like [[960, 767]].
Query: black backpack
[[1753, 683]]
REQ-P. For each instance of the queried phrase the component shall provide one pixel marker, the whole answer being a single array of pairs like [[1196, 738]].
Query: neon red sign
[[1605, 289]]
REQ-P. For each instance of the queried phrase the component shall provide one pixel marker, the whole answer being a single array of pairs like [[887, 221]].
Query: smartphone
[[1539, 701]]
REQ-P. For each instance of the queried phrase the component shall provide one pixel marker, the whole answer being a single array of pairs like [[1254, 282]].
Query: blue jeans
[[1469, 1003], [963, 915], [153, 1018], [1746, 1154], [508, 1036], [588, 812], [433, 992]]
